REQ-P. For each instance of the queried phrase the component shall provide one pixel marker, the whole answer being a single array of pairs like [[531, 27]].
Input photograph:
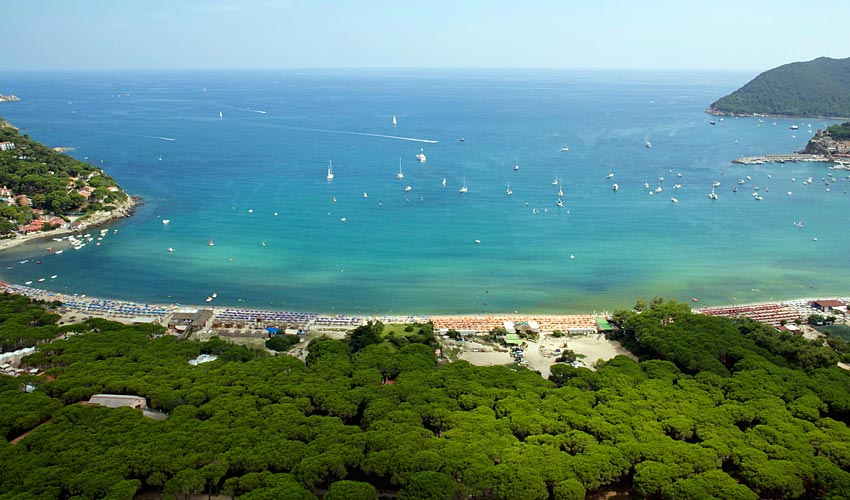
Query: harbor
[[785, 158]]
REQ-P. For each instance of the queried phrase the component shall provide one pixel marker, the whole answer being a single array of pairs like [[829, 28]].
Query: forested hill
[[818, 88], [715, 409], [37, 177]]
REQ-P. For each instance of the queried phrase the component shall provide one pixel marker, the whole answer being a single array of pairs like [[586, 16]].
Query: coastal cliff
[[817, 89]]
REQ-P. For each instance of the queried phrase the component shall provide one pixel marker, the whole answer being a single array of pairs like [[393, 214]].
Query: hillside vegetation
[[818, 88], [51, 181], [715, 409]]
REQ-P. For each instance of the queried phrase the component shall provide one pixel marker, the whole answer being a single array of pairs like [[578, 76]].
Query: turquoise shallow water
[[224, 178]]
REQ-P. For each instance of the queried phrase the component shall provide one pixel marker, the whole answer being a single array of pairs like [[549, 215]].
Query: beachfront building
[[118, 400], [7, 146], [187, 321], [830, 306]]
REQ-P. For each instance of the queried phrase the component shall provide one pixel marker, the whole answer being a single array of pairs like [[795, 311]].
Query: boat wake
[[365, 134], [158, 137], [258, 111]]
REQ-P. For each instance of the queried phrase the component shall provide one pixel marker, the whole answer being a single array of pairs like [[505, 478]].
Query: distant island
[[44, 190], [815, 89]]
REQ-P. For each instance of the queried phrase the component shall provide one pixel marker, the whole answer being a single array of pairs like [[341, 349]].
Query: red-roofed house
[[830, 306]]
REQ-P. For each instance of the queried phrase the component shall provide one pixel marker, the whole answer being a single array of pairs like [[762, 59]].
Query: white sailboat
[[444, 182], [421, 156], [560, 202], [516, 165], [561, 190], [610, 174], [508, 191], [394, 121], [615, 187], [330, 171], [220, 116], [565, 148], [399, 175], [463, 188], [712, 195]]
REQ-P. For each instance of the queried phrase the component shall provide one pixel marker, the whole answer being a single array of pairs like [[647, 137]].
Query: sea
[[237, 162]]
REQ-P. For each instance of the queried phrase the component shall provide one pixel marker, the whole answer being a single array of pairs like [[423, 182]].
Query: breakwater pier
[[791, 157]]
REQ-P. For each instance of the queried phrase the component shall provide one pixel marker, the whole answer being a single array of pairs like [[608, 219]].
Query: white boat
[[715, 184], [561, 191], [407, 189], [330, 171], [53, 277], [560, 202], [658, 189], [57, 252], [421, 156], [444, 182], [674, 200], [565, 148], [365, 195], [211, 243], [220, 116], [794, 127], [712, 195], [516, 165], [615, 187], [160, 157], [677, 186], [508, 191], [463, 188], [611, 173], [394, 121], [646, 185], [648, 144], [399, 175]]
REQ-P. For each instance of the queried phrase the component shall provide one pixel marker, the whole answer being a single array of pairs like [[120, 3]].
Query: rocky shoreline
[[717, 112]]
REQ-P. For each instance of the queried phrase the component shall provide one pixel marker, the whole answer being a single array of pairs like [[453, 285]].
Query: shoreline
[[161, 311], [121, 211], [717, 112]]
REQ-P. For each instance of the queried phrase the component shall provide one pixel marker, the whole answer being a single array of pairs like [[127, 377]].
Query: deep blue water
[[224, 178]]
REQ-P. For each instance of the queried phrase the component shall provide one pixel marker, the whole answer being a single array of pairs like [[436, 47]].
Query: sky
[[738, 35]]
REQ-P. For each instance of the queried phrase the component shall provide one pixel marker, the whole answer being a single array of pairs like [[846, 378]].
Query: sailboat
[[712, 195], [211, 243], [330, 171], [561, 190], [615, 187], [399, 175], [560, 202], [611, 173], [565, 147], [444, 182], [508, 191], [394, 121], [421, 156], [220, 115], [463, 189], [516, 165]]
